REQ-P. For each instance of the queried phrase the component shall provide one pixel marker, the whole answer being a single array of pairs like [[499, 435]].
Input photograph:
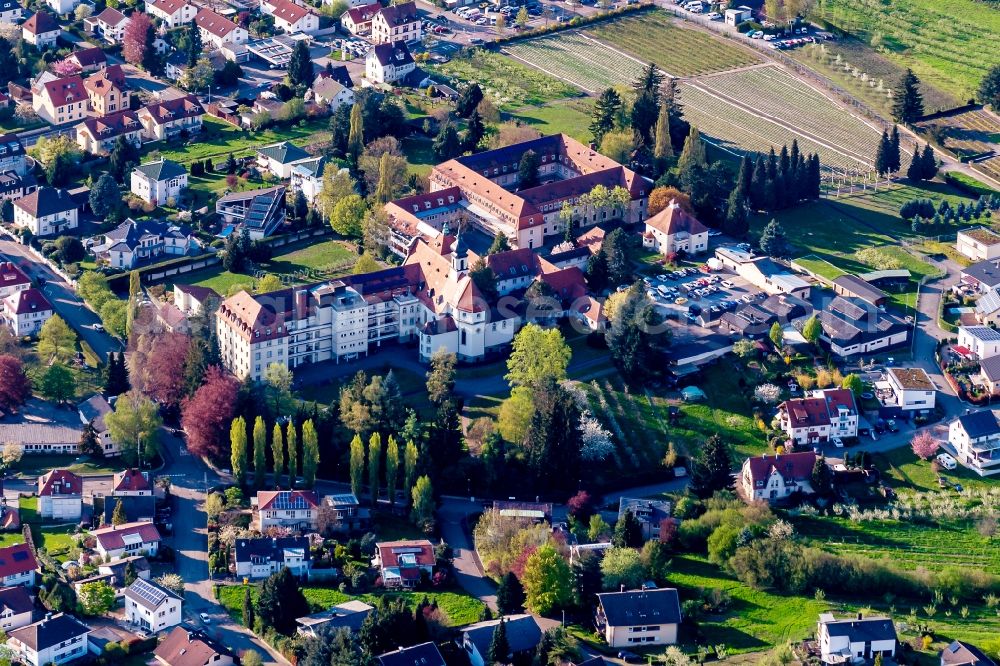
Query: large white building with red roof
[[62, 100], [24, 312], [674, 230], [60, 495], [820, 417], [17, 565], [117, 541], [174, 13], [290, 17], [218, 30], [41, 30], [775, 477], [294, 509], [131, 483]]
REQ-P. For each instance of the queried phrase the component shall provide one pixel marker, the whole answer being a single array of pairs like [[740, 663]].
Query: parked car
[[713, 16]]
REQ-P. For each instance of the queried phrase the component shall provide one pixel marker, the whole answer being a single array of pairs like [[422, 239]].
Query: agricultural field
[[511, 84], [970, 133], [679, 51], [948, 43], [578, 59]]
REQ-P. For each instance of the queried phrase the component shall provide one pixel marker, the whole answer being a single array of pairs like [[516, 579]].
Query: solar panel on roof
[[20, 555], [404, 550]]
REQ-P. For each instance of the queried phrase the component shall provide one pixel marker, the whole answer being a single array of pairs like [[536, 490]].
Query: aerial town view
[[499, 332]]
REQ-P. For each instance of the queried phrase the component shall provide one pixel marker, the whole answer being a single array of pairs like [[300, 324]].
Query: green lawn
[[419, 152], [35, 465], [218, 139], [459, 607], [313, 263], [570, 117]]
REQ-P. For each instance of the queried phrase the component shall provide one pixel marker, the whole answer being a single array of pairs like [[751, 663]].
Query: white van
[[946, 461]]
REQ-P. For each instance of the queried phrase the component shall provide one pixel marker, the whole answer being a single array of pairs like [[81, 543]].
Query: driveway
[[63, 297]]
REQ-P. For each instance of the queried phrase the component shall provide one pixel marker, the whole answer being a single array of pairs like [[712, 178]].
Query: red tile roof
[[16, 600], [400, 14], [103, 80], [112, 125], [183, 647], [170, 7], [40, 23], [673, 219], [130, 479], [16, 560], [282, 499], [65, 91], [791, 466], [289, 11], [174, 109], [11, 275], [807, 412], [88, 57], [390, 551], [113, 538], [219, 26], [59, 482], [111, 16], [28, 300], [364, 13]]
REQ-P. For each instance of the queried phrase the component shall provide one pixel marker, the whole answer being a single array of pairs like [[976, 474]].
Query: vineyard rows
[[582, 61], [972, 132]]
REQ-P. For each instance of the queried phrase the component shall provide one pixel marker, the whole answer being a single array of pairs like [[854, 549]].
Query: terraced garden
[[655, 37]]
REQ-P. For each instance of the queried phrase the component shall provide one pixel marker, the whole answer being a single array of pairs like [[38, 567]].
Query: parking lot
[[699, 296]]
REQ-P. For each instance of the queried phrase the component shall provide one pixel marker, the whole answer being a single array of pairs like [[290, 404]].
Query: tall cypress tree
[[895, 158], [882, 159], [758, 183], [194, 44], [499, 652], [907, 101]]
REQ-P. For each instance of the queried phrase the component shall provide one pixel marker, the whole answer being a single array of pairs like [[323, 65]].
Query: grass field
[[323, 260], [218, 139], [460, 608], [949, 43], [36, 465], [511, 84], [570, 117], [971, 133], [655, 37]]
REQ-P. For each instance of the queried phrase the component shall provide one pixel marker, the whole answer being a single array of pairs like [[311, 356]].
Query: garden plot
[[578, 59], [975, 132]]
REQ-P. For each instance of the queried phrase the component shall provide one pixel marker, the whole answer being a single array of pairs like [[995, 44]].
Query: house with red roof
[[41, 30], [24, 312], [60, 495], [62, 101], [291, 17], [88, 60], [358, 20], [674, 230], [825, 415], [12, 279], [218, 30], [168, 118], [173, 13], [17, 565], [397, 23], [16, 608], [106, 90], [403, 563], [127, 539], [131, 483], [294, 509], [109, 24], [774, 477], [97, 135]]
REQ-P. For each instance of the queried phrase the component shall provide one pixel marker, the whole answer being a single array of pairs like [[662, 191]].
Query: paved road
[[63, 297]]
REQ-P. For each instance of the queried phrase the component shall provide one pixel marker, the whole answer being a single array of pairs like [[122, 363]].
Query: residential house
[[978, 244], [14, 187], [11, 11], [173, 13], [988, 308], [25, 311], [263, 556], [61, 7], [16, 608], [187, 647], [989, 374], [99, 135], [649, 512], [131, 483], [332, 94], [976, 439], [852, 326], [338, 73], [826, 414], [590, 312], [117, 569], [44, 438], [294, 509], [88, 60], [106, 89], [959, 653], [772, 478], [12, 279], [118, 541], [151, 606], [307, 177], [979, 341], [132, 243], [910, 390], [190, 298], [219, 31], [57, 639], [523, 636], [853, 286], [110, 25], [61, 101], [982, 276], [41, 30], [347, 512], [169, 118], [675, 231], [348, 615], [397, 23], [47, 211], [60, 495], [755, 320], [403, 563], [13, 155], [17, 565], [389, 62], [639, 617], [278, 158], [291, 18], [92, 411], [137, 508], [156, 182], [358, 20], [260, 211], [762, 272], [424, 654], [854, 639]]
